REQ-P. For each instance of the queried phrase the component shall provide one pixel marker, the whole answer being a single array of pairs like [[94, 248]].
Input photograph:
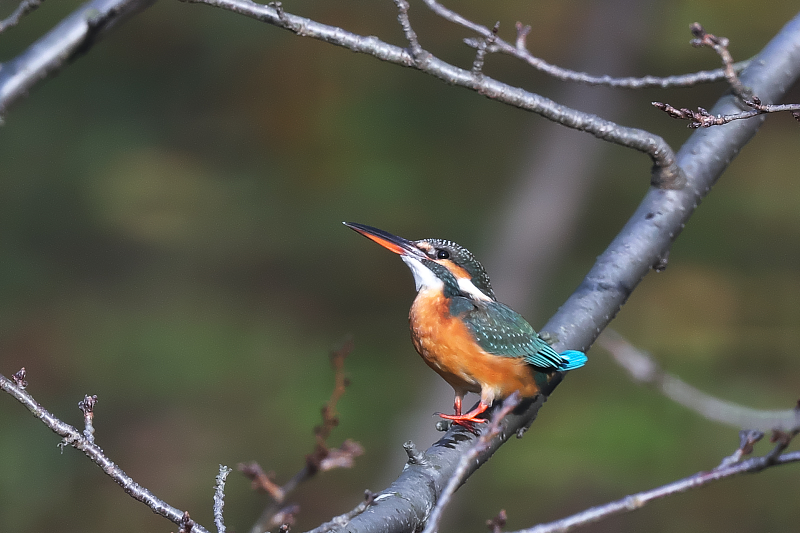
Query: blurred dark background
[[171, 240]]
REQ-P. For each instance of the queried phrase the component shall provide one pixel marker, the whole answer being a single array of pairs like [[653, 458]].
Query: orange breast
[[448, 347]]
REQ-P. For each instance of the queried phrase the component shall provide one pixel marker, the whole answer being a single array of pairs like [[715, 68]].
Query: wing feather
[[501, 331]]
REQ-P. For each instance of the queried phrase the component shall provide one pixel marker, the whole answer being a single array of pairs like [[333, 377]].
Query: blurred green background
[[171, 240]]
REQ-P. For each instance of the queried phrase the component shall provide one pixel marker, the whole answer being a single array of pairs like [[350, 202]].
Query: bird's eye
[[442, 254]]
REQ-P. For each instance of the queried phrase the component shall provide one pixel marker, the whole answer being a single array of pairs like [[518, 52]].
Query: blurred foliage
[[170, 240]]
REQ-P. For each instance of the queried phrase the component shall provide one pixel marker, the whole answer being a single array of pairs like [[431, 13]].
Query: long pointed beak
[[391, 242]]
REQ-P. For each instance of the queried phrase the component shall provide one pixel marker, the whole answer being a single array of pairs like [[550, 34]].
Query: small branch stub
[[186, 523], [87, 407], [415, 457], [19, 378], [522, 36], [497, 523]]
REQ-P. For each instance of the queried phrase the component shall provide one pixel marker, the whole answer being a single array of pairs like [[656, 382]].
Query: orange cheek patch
[[458, 271]]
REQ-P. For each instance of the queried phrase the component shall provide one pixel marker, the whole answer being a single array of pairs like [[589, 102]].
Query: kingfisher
[[474, 342]]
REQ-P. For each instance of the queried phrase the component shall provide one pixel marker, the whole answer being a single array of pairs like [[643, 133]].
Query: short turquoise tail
[[572, 359]]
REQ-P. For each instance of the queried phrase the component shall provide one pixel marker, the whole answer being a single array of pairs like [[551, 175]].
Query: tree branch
[[219, 497], [25, 7], [645, 240], [720, 45], [85, 443], [666, 174], [703, 119], [637, 501], [71, 37], [644, 369], [519, 51]]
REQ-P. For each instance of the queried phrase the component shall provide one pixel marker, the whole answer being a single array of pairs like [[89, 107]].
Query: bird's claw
[[466, 421]]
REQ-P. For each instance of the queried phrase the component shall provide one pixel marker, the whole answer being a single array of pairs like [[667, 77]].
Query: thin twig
[[87, 407], [644, 369], [460, 473], [72, 437], [637, 501], [480, 53], [519, 51], [411, 36], [703, 119], [219, 497], [25, 7], [720, 46]]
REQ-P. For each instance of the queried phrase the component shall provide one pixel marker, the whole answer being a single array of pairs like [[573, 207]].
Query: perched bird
[[474, 342]]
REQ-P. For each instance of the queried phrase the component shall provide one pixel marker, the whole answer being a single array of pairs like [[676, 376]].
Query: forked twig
[[85, 443], [702, 118]]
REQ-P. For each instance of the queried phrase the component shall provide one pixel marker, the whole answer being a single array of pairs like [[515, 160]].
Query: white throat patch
[[424, 278]]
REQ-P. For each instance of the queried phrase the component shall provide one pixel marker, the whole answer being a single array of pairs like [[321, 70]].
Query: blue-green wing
[[502, 331]]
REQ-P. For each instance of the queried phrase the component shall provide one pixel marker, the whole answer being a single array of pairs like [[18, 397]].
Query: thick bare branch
[[645, 240], [72, 36], [72, 437], [666, 174]]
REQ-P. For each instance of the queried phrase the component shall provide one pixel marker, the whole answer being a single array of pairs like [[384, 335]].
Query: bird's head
[[437, 264]]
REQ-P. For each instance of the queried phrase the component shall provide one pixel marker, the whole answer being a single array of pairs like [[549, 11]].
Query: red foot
[[467, 420]]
